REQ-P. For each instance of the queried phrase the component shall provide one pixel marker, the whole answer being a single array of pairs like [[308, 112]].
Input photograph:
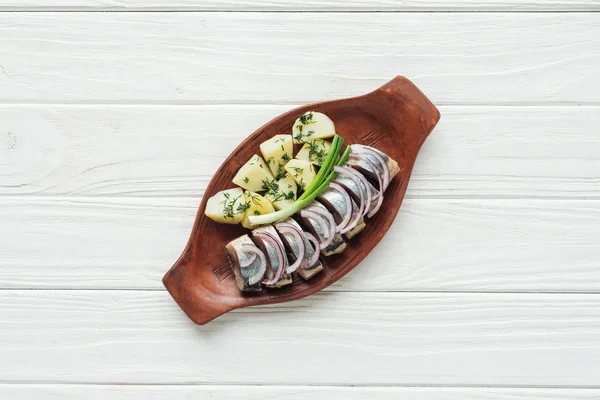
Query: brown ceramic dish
[[396, 118]]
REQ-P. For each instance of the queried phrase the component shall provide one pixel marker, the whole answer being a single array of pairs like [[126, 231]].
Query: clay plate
[[396, 118]]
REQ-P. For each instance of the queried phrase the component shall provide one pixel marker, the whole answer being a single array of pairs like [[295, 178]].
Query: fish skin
[[235, 255], [271, 255], [337, 245], [353, 189], [358, 160], [305, 271], [333, 200], [391, 163]]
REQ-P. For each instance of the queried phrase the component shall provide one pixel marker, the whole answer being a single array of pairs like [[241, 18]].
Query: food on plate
[[303, 248], [277, 151], [300, 208], [302, 171], [315, 151], [248, 263], [252, 175], [227, 206], [276, 274], [255, 204], [281, 192], [321, 223], [312, 125], [344, 209]]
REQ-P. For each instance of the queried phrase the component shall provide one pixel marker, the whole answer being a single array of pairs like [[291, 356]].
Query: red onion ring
[[346, 218], [249, 261], [250, 248], [367, 191], [380, 196], [280, 256], [322, 211], [328, 223], [285, 227], [312, 239], [356, 216], [379, 158], [344, 171]]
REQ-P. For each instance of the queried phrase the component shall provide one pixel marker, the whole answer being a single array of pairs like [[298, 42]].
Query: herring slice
[[318, 228], [247, 262], [270, 243], [335, 202], [306, 270]]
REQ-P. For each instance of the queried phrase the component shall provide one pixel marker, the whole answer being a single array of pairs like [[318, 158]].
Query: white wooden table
[[112, 123]]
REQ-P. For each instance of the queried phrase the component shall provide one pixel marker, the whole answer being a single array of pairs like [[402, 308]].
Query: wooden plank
[[329, 338], [455, 245], [519, 152], [215, 392], [474, 58], [300, 6]]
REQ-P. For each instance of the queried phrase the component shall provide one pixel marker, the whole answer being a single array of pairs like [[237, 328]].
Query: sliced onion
[[267, 237], [356, 216], [322, 211], [250, 248], [379, 158], [379, 197], [366, 186], [285, 227], [319, 219], [345, 218], [344, 171], [311, 238], [248, 261], [327, 225]]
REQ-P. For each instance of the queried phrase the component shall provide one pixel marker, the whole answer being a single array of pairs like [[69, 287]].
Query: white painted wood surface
[[456, 58], [300, 6], [223, 392], [111, 125], [329, 338]]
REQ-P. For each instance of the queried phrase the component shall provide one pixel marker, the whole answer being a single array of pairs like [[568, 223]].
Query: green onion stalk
[[325, 175]]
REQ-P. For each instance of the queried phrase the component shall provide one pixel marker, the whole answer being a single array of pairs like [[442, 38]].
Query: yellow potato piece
[[277, 151], [312, 125], [283, 193], [257, 205], [252, 175], [302, 171], [226, 206], [315, 151]]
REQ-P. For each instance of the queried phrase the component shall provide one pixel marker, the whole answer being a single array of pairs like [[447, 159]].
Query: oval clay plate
[[396, 119]]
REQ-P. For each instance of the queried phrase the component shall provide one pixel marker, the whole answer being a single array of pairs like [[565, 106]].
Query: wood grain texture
[[453, 245], [158, 151], [475, 58], [216, 392], [346, 339], [301, 6]]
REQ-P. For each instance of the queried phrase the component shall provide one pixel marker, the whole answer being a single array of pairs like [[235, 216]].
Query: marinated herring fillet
[[319, 222], [310, 264], [267, 239], [248, 263]]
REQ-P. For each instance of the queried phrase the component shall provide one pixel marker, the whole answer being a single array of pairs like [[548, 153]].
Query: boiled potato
[[302, 171], [253, 175], [255, 204], [226, 206], [277, 151], [315, 151], [312, 125], [283, 192]]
